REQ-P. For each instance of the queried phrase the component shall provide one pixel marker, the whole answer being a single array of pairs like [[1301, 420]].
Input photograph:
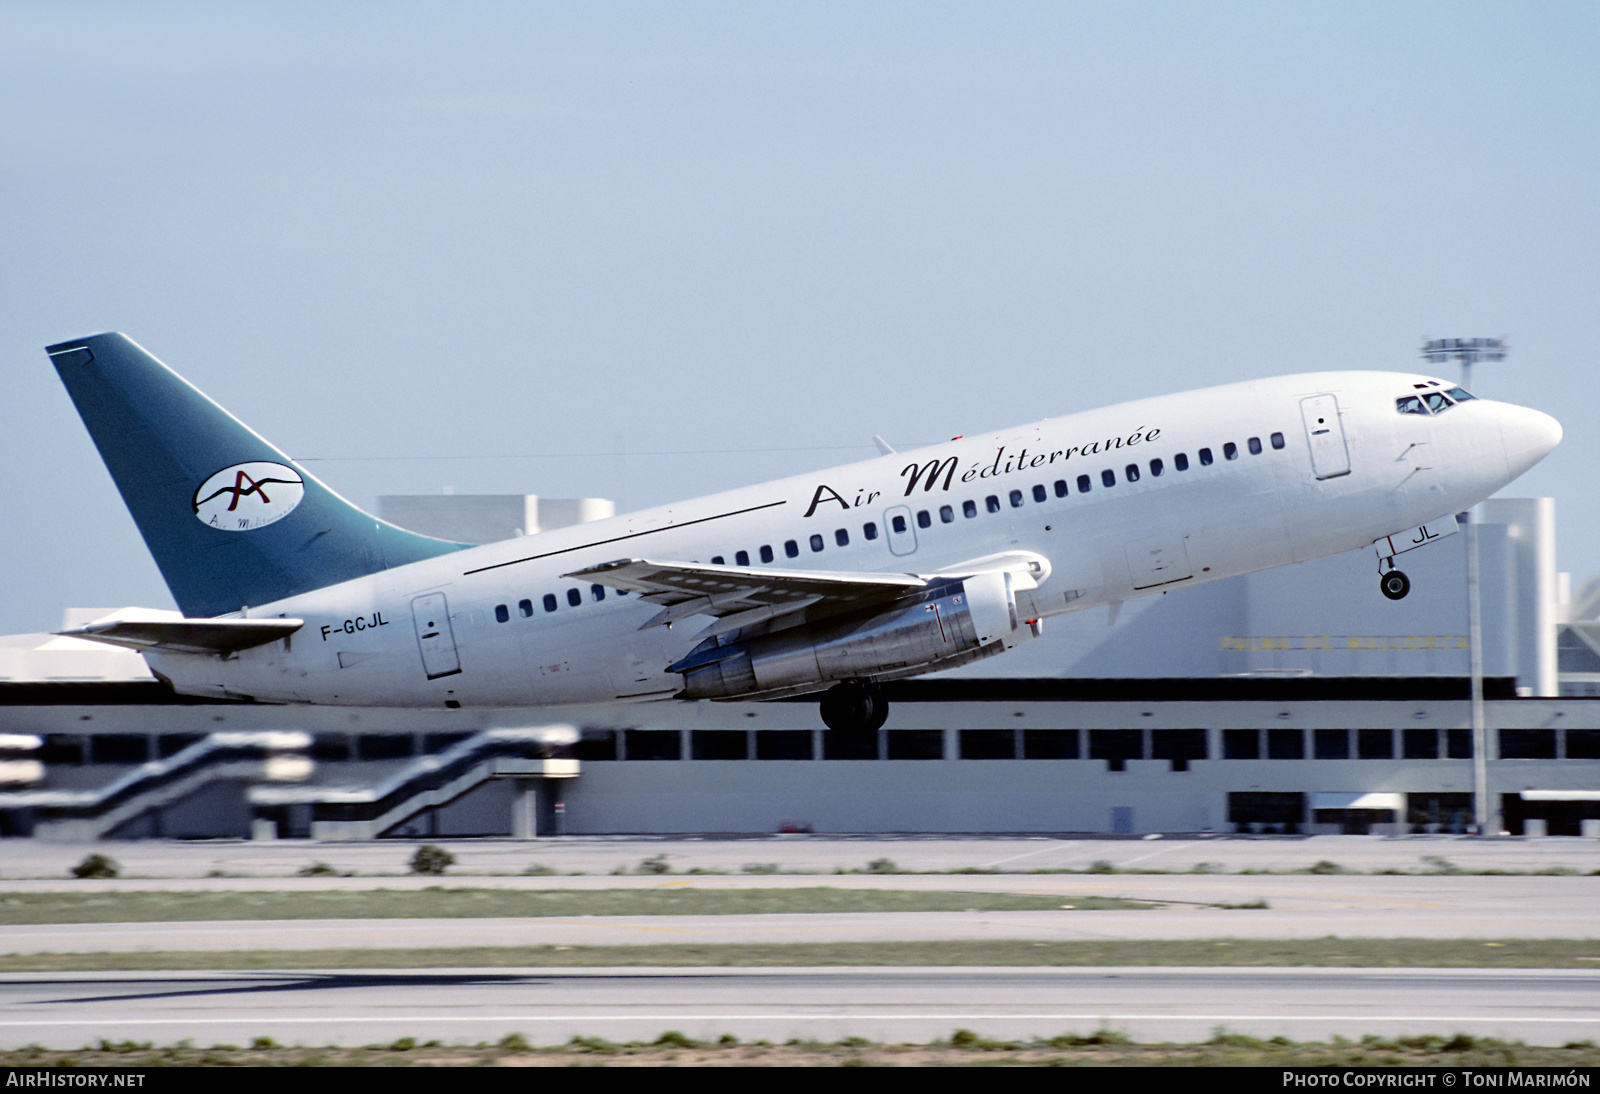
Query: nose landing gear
[[1394, 584], [1391, 582]]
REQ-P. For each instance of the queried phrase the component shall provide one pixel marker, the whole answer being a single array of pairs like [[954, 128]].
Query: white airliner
[[831, 582]]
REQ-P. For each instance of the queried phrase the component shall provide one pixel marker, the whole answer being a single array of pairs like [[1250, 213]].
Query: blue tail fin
[[231, 521]]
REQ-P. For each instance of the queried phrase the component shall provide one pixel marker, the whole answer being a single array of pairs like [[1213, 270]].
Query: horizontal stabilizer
[[213, 636]]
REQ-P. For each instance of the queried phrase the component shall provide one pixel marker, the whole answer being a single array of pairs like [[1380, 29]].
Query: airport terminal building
[[1293, 700]]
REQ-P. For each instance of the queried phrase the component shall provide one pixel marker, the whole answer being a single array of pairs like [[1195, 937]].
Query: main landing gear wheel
[[854, 707], [1395, 585]]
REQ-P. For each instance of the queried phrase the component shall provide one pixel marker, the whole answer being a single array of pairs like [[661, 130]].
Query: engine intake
[[938, 623]]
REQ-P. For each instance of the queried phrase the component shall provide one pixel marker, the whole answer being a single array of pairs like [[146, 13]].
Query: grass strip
[[1326, 952], [465, 903], [963, 1048]]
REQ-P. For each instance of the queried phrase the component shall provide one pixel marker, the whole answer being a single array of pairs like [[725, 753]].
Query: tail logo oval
[[248, 496]]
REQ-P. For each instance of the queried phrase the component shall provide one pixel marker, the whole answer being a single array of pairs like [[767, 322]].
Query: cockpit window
[[1460, 394], [1410, 404], [1437, 402]]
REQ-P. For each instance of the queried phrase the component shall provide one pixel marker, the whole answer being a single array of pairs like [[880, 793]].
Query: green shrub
[[655, 864], [97, 866], [431, 859]]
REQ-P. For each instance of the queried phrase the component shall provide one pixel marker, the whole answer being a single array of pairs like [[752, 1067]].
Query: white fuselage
[[1366, 472]]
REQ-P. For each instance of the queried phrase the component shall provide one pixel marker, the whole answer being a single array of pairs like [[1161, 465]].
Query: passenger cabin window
[[1040, 493], [1277, 440], [1108, 477], [946, 514], [766, 552], [549, 602], [870, 530], [502, 614], [1132, 471], [969, 508], [1016, 499], [1181, 461], [1254, 444], [898, 522], [574, 597], [1155, 469], [598, 592], [1061, 488], [741, 558], [992, 503], [924, 518], [1205, 457], [841, 537], [716, 560], [525, 607], [1083, 484], [816, 543], [791, 549], [1230, 451]]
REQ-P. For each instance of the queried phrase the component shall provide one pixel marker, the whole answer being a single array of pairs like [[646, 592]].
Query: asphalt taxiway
[[897, 1005]]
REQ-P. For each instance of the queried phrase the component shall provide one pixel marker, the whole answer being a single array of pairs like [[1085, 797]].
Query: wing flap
[[743, 592]]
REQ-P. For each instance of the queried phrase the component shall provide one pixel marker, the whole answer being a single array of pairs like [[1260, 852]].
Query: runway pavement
[[1421, 899], [897, 1005]]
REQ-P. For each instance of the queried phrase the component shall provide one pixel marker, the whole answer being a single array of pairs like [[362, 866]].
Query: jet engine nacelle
[[943, 621]]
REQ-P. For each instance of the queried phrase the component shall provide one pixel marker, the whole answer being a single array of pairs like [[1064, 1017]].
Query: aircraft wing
[[214, 636], [740, 596]]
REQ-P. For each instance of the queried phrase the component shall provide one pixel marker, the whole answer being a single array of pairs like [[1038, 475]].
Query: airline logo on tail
[[248, 496]]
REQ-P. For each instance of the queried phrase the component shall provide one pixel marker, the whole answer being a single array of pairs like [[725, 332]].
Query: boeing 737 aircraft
[[827, 583]]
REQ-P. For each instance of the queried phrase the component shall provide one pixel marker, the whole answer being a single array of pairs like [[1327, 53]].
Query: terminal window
[[1331, 744], [652, 744], [1286, 744], [1374, 744], [719, 744], [783, 744], [330, 747], [916, 744], [1050, 744], [386, 746], [1515, 744], [1241, 744], [1116, 747], [120, 748], [1179, 746], [597, 744], [1420, 744], [170, 744], [988, 744], [850, 746], [1583, 744]]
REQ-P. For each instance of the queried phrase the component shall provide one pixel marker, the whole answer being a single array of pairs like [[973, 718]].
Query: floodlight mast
[[1469, 351]]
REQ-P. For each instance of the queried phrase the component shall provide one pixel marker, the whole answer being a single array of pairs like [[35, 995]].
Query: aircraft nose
[[1527, 435]]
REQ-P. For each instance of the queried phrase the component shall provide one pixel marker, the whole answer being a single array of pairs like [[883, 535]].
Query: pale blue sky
[[518, 239]]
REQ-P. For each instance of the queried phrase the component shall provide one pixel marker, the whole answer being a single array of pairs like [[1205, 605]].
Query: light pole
[[1469, 351]]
